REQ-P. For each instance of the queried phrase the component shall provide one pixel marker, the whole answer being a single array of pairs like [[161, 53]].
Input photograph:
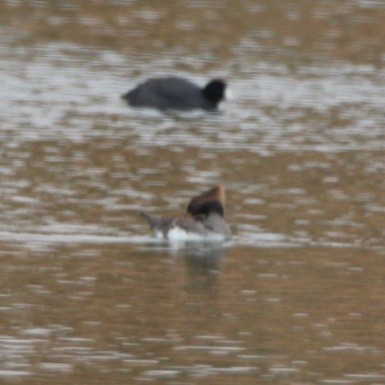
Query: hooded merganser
[[204, 219], [176, 93]]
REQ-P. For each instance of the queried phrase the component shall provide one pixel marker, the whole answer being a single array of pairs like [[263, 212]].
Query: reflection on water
[[87, 293], [269, 315]]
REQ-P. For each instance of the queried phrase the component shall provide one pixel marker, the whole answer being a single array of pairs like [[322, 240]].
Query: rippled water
[[87, 295]]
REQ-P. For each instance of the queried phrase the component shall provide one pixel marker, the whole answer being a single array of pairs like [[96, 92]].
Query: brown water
[[88, 296]]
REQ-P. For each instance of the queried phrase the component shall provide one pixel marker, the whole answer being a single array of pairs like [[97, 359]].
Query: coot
[[176, 93]]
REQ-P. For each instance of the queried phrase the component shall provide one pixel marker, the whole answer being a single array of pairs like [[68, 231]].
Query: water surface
[[89, 296]]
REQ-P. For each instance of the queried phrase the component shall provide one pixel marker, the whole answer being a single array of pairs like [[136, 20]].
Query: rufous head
[[209, 201]]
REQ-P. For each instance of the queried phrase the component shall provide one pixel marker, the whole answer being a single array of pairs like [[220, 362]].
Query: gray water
[[89, 296]]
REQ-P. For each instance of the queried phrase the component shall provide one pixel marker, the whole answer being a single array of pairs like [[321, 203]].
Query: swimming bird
[[204, 219], [176, 93]]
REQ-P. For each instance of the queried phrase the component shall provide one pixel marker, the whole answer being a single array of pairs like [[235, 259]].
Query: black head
[[206, 208], [214, 91]]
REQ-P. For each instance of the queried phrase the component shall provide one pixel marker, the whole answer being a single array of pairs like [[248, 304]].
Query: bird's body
[[176, 93], [204, 220]]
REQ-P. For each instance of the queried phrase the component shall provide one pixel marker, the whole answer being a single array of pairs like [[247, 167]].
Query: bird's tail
[[151, 221], [162, 224]]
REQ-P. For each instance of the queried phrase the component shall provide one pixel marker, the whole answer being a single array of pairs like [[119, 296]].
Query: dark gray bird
[[176, 93]]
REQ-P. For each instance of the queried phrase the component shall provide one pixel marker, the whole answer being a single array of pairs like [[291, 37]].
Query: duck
[[203, 220], [176, 93]]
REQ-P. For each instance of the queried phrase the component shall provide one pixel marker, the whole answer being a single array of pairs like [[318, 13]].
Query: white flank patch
[[229, 95], [178, 234]]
